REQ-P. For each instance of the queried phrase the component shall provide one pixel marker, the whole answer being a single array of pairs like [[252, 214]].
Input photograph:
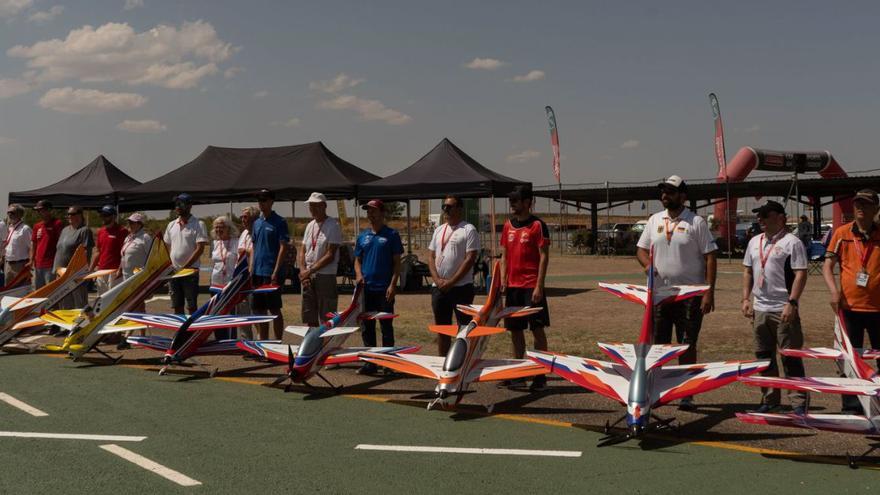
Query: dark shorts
[[516, 296], [266, 301], [184, 292], [686, 317], [444, 305]]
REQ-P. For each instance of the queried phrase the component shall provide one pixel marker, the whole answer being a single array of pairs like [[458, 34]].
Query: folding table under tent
[[97, 184]]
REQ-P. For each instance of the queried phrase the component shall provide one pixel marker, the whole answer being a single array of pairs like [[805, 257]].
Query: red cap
[[374, 203]]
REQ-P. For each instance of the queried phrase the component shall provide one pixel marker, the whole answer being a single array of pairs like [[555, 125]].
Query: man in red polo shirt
[[44, 238], [110, 239], [525, 253]]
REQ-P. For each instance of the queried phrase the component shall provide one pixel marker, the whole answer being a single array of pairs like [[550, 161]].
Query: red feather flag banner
[[554, 141], [720, 153]]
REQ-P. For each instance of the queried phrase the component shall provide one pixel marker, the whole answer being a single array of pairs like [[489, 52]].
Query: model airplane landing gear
[[853, 461], [336, 390]]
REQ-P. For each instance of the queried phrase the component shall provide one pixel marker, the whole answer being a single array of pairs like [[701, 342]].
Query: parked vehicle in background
[[619, 238]]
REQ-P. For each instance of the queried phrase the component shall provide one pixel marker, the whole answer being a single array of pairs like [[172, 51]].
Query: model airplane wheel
[[607, 427], [213, 372], [490, 408], [287, 388], [851, 461], [162, 371]]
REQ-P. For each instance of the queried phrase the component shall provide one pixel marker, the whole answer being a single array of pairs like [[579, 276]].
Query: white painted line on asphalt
[[12, 401], [167, 473], [71, 436], [460, 450]]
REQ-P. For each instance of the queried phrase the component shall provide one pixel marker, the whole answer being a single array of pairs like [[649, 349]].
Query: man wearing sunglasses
[[76, 234], [855, 247], [186, 238], [525, 254], [775, 275], [453, 251]]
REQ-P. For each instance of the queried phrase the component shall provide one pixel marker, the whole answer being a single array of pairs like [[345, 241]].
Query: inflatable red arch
[[748, 159]]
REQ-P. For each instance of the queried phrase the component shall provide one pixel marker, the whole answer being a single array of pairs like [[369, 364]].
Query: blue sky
[[628, 80]]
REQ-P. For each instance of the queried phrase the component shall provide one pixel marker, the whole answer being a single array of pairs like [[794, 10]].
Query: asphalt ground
[[235, 437]]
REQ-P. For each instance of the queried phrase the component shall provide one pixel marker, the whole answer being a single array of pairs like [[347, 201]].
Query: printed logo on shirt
[[368, 239], [660, 229], [524, 238], [681, 229], [511, 236], [382, 240]]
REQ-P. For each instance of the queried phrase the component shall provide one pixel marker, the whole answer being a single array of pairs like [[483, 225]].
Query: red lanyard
[[443, 240], [669, 232], [863, 253], [770, 242], [11, 233], [316, 235]]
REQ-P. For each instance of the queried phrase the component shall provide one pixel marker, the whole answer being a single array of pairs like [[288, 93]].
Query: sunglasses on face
[[181, 204], [447, 207]]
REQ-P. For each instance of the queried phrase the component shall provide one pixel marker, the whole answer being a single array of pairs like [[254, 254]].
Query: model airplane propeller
[[861, 380], [322, 345], [192, 332], [464, 363], [638, 378]]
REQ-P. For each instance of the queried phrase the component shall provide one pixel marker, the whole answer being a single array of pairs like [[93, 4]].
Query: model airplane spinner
[[87, 325], [637, 377], [18, 314], [192, 332], [322, 345], [464, 363], [861, 380]]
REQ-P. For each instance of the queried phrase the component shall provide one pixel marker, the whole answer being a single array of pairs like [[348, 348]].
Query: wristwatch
[[793, 302]]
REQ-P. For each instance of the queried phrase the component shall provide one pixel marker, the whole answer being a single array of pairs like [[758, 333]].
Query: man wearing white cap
[[319, 258], [684, 254]]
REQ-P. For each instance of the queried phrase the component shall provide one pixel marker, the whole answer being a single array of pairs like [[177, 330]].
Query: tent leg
[[492, 225], [408, 229]]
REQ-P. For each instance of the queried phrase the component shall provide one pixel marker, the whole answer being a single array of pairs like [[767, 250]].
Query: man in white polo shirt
[[775, 275], [186, 239], [453, 252], [684, 254], [16, 246], [319, 259]]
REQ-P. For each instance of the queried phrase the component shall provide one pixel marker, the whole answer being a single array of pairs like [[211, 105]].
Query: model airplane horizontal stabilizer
[[18, 303], [485, 331], [841, 423], [414, 364], [352, 354], [297, 330], [275, 351], [450, 330], [263, 289], [164, 343], [516, 312], [62, 318], [491, 370], [624, 354], [99, 273], [34, 322], [660, 354], [828, 353], [376, 315], [639, 293], [469, 309], [828, 385], [205, 322], [339, 331], [126, 326]]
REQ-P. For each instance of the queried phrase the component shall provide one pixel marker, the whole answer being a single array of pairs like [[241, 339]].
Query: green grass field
[[241, 438]]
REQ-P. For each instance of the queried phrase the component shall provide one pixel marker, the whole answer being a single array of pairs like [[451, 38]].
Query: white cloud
[[89, 101], [133, 4], [630, 144], [232, 72], [13, 87], [6, 140], [485, 63], [9, 8], [533, 75], [523, 156], [142, 126], [166, 56], [367, 109], [46, 15], [291, 122], [260, 94], [335, 85]]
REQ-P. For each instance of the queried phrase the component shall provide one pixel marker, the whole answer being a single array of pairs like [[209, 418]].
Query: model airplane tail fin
[[99, 273], [852, 357], [484, 331], [515, 312], [376, 315], [450, 330]]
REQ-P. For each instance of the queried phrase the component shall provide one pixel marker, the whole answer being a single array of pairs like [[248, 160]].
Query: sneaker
[[799, 411], [539, 384], [368, 369], [767, 408], [123, 346], [687, 404]]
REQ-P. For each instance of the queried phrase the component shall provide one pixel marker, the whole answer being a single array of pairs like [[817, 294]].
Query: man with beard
[[525, 254], [684, 254]]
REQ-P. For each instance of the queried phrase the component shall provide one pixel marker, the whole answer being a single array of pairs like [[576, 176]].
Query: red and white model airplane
[[861, 380], [464, 363], [637, 377]]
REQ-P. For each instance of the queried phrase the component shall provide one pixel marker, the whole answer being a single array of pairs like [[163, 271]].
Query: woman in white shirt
[[224, 256]]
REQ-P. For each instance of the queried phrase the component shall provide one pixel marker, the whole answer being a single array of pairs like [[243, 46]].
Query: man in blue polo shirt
[[270, 238], [377, 265]]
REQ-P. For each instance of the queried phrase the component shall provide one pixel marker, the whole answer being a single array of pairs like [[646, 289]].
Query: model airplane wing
[[490, 370], [601, 377], [214, 322], [668, 294], [150, 342], [827, 353], [352, 354], [630, 292], [122, 326], [829, 385], [218, 347], [843, 423], [273, 350], [412, 364], [675, 382], [99, 273], [63, 318], [166, 321], [516, 312], [18, 303]]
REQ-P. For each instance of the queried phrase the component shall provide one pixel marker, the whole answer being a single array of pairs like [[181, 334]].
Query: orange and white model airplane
[[464, 363]]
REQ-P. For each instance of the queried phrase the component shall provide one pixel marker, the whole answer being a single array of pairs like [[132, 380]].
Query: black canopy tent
[[97, 184], [444, 170], [220, 175]]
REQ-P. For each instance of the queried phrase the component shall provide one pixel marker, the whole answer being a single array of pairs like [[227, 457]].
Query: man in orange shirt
[[855, 247]]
